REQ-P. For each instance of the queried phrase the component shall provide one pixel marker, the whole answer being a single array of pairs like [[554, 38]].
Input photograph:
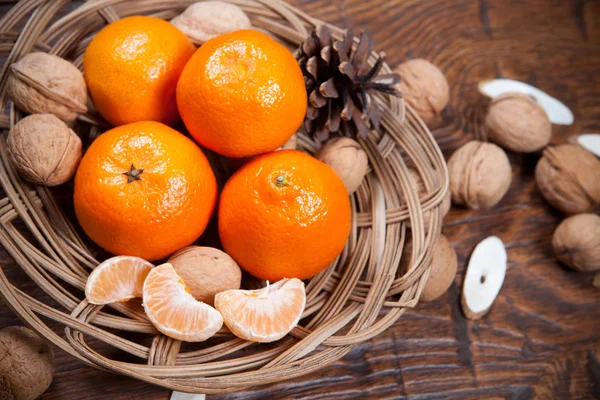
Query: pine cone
[[341, 85]]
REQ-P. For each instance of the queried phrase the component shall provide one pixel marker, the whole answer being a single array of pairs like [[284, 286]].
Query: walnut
[[443, 270], [576, 242], [26, 364], [291, 143], [517, 122], [206, 271], [44, 83], [416, 180], [44, 149], [347, 158], [207, 19], [424, 87], [480, 174], [569, 178]]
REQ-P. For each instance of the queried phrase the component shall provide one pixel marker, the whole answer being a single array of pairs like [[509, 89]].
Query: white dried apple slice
[[558, 113], [187, 396], [484, 278], [590, 142]]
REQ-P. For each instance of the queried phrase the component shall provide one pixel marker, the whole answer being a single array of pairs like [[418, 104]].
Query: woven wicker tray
[[361, 294]]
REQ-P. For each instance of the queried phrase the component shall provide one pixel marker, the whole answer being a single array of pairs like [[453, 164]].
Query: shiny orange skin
[[131, 68], [167, 209], [242, 94], [293, 230]]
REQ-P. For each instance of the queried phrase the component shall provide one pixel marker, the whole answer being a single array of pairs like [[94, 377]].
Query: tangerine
[[242, 94], [284, 214], [131, 68], [144, 190]]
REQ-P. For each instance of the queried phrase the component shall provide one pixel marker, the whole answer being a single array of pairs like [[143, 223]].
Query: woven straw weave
[[361, 294]]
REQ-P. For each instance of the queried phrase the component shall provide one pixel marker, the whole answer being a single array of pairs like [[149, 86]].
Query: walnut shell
[[206, 271], [568, 177], [348, 159], [44, 149], [26, 364], [291, 143], [576, 242], [416, 180], [480, 174], [424, 87], [517, 122], [45, 83], [207, 19], [443, 270]]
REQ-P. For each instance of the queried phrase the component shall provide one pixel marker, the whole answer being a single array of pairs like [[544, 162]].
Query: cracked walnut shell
[[44, 149], [45, 83], [576, 242], [568, 177], [517, 122], [480, 174]]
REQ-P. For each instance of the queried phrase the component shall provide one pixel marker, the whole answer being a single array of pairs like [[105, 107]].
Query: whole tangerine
[[242, 94], [144, 190], [132, 67], [284, 214]]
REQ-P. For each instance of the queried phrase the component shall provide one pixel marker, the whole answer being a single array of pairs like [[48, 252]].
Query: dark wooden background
[[542, 337]]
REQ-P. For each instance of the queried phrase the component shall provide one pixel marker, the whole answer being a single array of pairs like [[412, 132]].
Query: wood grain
[[542, 337]]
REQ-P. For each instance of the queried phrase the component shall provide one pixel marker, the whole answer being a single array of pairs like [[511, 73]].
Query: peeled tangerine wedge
[[117, 279], [174, 311], [264, 315]]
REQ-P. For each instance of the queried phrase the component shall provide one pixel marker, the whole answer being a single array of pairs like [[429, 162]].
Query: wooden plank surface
[[542, 337]]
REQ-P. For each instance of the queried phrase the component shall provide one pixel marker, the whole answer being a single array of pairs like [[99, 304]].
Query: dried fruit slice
[[119, 278], [558, 113], [264, 315], [174, 311], [484, 278]]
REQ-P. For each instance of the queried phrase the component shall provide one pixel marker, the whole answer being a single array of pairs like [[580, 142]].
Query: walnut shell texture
[[206, 271], [26, 364], [424, 87], [443, 270], [348, 159], [416, 180], [45, 83], [480, 174], [44, 149], [568, 177], [204, 20], [517, 122], [576, 242]]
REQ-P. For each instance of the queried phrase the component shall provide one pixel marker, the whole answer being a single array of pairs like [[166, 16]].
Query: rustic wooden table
[[542, 337]]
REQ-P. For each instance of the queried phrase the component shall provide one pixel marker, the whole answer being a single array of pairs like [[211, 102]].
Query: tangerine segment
[[117, 279], [264, 315], [174, 311]]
